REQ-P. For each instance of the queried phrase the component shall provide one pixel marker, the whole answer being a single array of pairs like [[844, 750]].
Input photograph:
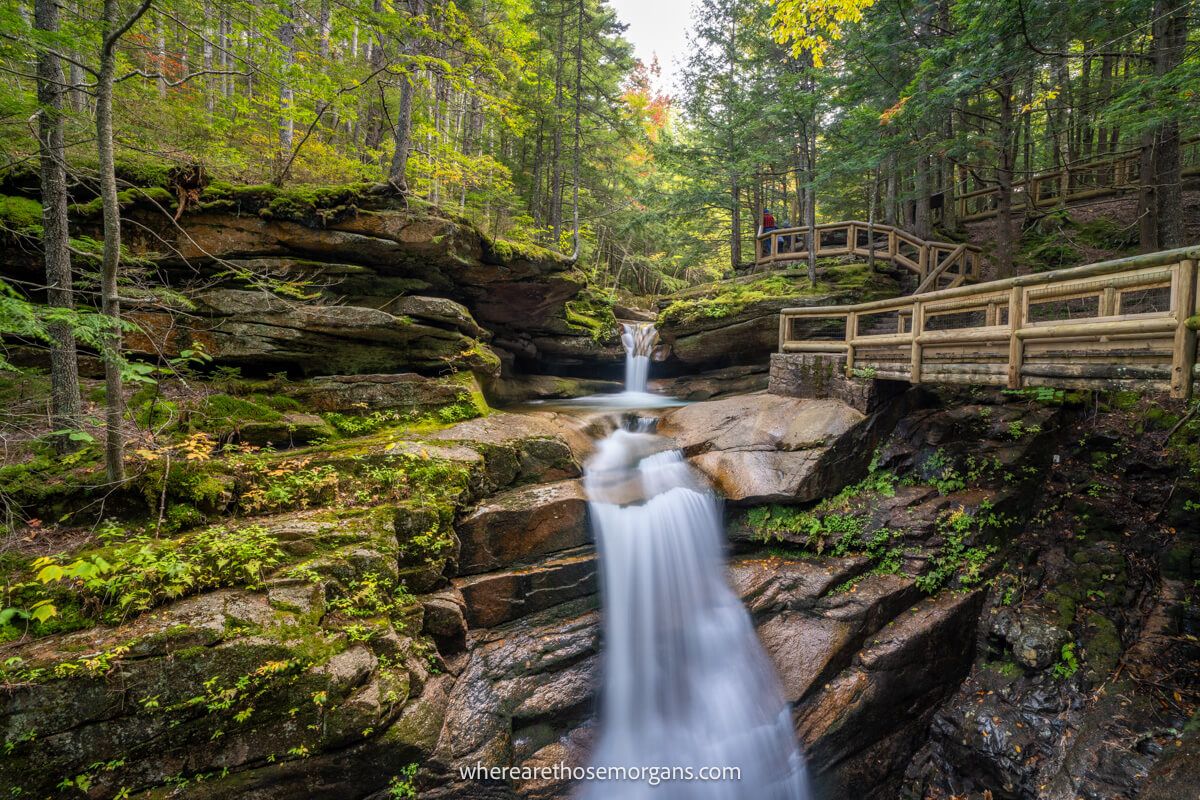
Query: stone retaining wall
[[822, 375]]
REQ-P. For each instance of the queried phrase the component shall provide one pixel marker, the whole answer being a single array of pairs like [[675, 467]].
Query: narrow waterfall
[[686, 684], [639, 339]]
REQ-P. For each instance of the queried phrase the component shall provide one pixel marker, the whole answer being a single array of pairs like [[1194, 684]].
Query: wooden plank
[[918, 326], [851, 334], [1016, 318], [1183, 305]]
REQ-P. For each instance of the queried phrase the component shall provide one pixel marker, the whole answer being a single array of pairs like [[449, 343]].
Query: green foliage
[[1068, 663], [401, 787], [956, 560], [942, 474], [137, 572], [372, 595]]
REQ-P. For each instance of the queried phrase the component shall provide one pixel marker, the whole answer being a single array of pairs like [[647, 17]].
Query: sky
[[658, 27]]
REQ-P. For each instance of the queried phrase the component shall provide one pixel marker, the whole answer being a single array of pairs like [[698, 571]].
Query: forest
[[393, 388]]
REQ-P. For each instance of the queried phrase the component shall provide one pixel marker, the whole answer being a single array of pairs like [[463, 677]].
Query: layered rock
[[764, 448], [736, 322]]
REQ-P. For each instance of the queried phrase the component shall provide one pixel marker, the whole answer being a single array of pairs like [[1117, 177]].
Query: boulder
[[292, 429], [762, 448], [404, 391], [258, 330], [521, 524], [715, 383], [494, 598], [437, 311], [535, 447], [1035, 642]]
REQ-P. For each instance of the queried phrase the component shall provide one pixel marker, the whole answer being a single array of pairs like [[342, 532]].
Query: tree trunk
[[735, 223], [556, 136], [1170, 39], [112, 29], [397, 176], [373, 124], [814, 239], [578, 113], [65, 406], [287, 121], [1004, 175], [1147, 195]]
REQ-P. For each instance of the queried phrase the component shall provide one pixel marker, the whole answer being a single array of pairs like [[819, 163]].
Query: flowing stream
[[687, 686], [639, 339]]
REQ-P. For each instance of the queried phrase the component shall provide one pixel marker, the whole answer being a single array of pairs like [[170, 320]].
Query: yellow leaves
[[146, 455], [197, 448], [887, 116], [1041, 98], [811, 26]]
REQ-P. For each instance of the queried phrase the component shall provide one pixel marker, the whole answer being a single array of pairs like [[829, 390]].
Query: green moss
[[20, 214], [302, 203], [224, 413], [130, 197], [728, 298], [592, 312]]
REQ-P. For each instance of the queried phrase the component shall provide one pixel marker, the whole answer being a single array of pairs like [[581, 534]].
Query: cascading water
[[687, 686], [639, 339]]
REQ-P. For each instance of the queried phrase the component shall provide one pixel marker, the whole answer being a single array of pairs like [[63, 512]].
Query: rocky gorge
[[377, 567]]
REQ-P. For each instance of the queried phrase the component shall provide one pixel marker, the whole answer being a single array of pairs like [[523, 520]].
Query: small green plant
[[865, 373], [943, 475], [401, 787], [1068, 663], [955, 560]]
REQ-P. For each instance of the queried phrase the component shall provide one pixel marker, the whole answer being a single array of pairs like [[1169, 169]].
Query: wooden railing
[[937, 264], [1116, 324], [1082, 181]]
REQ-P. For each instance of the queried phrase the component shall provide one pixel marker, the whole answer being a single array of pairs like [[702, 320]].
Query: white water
[[639, 339], [686, 684]]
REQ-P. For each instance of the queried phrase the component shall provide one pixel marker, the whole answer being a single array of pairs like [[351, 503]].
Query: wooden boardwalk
[[1127, 323], [938, 265], [1086, 180]]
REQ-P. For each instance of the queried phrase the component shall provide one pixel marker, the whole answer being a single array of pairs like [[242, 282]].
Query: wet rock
[[535, 447], [494, 598], [521, 524], [523, 388], [715, 383], [1035, 642], [438, 311], [763, 448]]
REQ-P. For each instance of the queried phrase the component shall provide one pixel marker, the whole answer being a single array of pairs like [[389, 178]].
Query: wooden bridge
[[1099, 177], [1128, 323], [936, 264]]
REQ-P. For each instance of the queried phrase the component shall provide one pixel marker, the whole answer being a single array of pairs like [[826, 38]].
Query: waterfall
[[639, 339], [686, 683]]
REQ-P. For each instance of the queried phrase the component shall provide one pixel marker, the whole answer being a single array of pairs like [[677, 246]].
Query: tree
[[113, 27], [66, 413]]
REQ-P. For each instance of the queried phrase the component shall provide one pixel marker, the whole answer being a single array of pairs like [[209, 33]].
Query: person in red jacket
[[768, 225]]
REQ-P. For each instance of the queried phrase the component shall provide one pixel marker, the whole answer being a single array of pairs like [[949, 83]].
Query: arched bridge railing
[[937, 264], [1097, 177], [1116, 324]]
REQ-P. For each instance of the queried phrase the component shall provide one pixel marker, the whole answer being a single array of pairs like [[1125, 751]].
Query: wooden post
[[851, 335], [892, 244], [1108, 302], [1016, 349], [918, 327], [783, 330], [1183, 354]]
